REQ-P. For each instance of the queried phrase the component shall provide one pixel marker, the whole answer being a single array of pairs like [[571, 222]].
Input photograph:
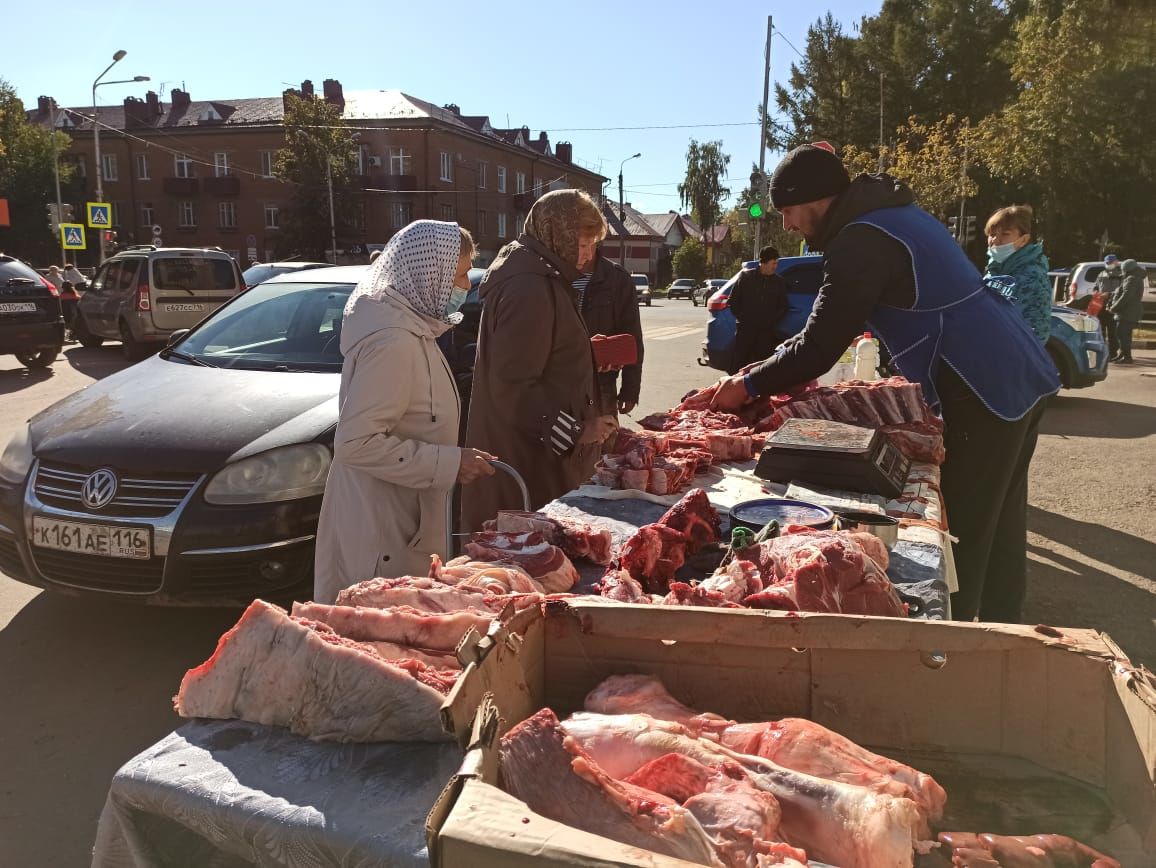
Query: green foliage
[[27, 154], [702, 189], [690, 260], [314, 137]]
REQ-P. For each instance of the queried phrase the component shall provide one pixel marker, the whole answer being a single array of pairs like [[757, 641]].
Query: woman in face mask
[[386, 508], [1017, 267]]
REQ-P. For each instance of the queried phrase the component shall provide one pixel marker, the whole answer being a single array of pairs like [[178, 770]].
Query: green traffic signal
[[756, 210]]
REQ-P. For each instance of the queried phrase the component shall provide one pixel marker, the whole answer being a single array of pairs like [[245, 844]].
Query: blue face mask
[[999, 252], [457, 299]]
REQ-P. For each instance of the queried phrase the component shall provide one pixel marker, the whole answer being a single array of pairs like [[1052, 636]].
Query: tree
[[316, 144], [690, 260], [702, 190], [27, 156]]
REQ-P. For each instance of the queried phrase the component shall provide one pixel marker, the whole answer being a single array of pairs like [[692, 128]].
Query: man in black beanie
[[892, 268], [759, 302]]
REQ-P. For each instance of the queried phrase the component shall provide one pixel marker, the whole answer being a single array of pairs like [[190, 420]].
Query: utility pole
[[880, 121], [960, 231], [332, 219], [622, 213], [56, 177], [763, 136]]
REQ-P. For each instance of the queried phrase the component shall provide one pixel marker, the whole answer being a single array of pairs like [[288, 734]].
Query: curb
[[1144, 345]]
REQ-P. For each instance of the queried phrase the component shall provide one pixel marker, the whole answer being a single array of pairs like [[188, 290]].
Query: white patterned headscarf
[[419, 264]]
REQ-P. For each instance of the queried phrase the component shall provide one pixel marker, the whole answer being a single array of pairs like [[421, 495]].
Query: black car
[[460, 344], [31, 325]]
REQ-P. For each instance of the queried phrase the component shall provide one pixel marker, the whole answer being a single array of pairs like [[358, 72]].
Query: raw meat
[[682, 594], [823, 571], [555, 777], [730, 447], [666, 462], [576, 539], [286, 671], [400, 625], [841, 824], [1022, 851], [393, 652], [492, 578], [543, 561], [429, 595], [621, 586], [645, 694], [656, 551], [695, 517], [735, 582]]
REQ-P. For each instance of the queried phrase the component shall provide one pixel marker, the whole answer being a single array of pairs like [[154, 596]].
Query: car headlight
[[288, 473], [16, 460], [1079, 322]]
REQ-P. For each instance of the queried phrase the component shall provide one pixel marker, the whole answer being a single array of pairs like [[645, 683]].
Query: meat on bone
[[484, 576], [555, 777], [543, 561], [655, 552], [429, 595], [274, 669], [576, 538], [400, 625], [621, 586], [840, 824], [1029, 851], [645, 694]]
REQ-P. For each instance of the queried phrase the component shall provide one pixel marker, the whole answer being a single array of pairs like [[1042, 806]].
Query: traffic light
[[969, 232], [953, 225], [108, 238], [66, 214], [758, 192], [53, 217], [756, 211]]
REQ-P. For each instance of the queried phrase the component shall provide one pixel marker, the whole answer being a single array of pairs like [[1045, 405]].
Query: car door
[[99, 297]]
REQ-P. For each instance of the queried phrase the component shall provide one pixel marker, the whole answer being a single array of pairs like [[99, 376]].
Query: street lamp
[[116, 58], [621, 211]]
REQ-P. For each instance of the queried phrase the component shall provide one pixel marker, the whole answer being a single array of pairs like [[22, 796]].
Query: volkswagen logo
[[99, 489]]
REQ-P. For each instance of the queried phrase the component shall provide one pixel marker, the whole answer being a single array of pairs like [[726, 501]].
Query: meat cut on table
[[400, 625], [282, 670], [986, 850], [431, 595], [546, 564], [577, 539]]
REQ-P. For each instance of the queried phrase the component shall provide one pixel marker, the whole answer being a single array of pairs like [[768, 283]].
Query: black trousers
[[985, 492]]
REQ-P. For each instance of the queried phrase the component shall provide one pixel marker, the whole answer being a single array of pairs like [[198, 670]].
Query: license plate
[[92, 539], [17, 307], [184, 308], [1091, 358]]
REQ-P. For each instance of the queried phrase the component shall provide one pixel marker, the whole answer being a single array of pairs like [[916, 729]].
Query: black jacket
[[609, 307], [758, 302]]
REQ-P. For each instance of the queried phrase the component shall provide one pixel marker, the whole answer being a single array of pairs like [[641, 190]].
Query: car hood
[[169, 416]]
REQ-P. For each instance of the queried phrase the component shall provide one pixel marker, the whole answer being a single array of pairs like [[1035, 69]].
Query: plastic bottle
[[866, 358]]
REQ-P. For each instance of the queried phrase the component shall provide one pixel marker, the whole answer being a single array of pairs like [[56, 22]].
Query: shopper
[[758, 302], [609, 307], [1017, 267], [1127, 306]]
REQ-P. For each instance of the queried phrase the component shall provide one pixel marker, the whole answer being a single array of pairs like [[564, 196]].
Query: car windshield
[[192, 273], [274, 327], [260, 273], [640, 280]]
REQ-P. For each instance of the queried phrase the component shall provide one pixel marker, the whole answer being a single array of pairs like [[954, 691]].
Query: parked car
[[263, 271], [641, 288], [1059, 278], [706, 289], [1083, 281], [143, 294], [684, 287], [31, 326], [1076, 346]]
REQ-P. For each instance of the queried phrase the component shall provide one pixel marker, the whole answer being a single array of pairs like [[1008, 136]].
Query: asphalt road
[[86, 685]]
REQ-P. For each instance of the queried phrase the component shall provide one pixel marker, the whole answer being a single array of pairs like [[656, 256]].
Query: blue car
[[1076, 345]]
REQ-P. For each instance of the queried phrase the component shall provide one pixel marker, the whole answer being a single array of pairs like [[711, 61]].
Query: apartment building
[[202, 171]]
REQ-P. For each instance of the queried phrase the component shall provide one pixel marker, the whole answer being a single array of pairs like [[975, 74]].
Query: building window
[[183, 166], [148, 214], [357, 217], [447, 211], [142, 167], [401, 214], [108, 167], [519, 222], [186, 214], [399, 162], [267, 161], [362, 155], [537, 189], [272, 217], [221, 164], [501, 179], [501, 225], [227, 214], [481, 223], [483, 171], [114, 216], [520, 182], [447, 166]]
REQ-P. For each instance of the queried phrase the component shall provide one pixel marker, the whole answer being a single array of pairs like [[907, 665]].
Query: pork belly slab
[[280, 670], [400, 625]]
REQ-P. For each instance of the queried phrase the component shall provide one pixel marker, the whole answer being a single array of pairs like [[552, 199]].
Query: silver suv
[[143, 294]]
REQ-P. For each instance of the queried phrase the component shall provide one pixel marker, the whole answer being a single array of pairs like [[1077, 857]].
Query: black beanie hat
[[807, 174]]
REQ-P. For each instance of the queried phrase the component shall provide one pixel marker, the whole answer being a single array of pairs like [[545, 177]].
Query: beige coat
[[395, 454]]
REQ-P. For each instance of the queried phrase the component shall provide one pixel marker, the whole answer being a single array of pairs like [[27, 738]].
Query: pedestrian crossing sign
[[99, 215], [72, 236]]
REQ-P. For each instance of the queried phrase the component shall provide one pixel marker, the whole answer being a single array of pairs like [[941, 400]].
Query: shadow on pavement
[[97, 362], [17, 379], [86, 686], [1077, 416]]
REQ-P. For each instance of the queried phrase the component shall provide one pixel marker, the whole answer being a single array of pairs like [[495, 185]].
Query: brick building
[[203, 170]]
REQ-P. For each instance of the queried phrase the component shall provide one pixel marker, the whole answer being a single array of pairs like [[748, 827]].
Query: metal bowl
[[878, 525]]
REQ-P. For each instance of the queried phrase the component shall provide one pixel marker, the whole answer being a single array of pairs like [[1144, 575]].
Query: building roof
[[716, 235], [663, 222], [635, 224]]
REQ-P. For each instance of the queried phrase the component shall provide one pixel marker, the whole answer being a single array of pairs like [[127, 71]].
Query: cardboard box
[[1030, 730]]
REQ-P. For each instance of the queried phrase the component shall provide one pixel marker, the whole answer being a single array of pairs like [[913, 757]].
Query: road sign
[[72, 236], [252, 251], [156, 229], [99, 215], [250, 240]]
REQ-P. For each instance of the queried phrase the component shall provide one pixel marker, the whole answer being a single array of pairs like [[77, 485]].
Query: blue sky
[[562, 67]]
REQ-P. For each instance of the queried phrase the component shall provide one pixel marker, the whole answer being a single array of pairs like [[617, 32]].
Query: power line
[[779, 34]]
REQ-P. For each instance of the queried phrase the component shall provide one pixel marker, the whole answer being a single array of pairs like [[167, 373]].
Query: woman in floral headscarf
[[534, 400], [395, 453]]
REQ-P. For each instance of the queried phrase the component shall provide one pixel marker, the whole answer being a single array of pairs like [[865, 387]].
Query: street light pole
[[761, 194], [622, 212], [116, 58], [56, 177], [332, 220]]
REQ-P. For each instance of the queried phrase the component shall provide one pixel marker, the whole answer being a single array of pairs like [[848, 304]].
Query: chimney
[[306, 89], [526, 134], [333, 94], [45, 104], [152, 101], [181, 99], [564, 151], [136, 112], [453, 108]]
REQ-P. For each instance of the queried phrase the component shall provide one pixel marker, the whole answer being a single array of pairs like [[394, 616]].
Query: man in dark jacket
[[1127, 306], [1108, 284], [891, 267], [758, 301], [609, 307]]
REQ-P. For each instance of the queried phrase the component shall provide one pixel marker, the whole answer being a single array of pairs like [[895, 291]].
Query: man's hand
[[598, 430], [610, 369], [731, 394], [624, 407], [474, 465]]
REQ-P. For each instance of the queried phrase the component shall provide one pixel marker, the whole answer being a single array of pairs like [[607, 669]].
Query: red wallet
[[616, 351]]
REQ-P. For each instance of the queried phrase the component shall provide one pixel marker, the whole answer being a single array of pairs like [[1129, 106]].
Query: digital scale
[[834, 455]]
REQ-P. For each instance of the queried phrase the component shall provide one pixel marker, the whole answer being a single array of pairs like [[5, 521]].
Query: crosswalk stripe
[[669, 334]]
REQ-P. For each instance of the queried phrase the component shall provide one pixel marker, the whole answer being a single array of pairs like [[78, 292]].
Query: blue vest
[[957, 320]]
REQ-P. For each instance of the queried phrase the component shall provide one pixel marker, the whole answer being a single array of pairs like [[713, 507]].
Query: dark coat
[[1128, 301], [610, 307], [534, 360], [758, 302]]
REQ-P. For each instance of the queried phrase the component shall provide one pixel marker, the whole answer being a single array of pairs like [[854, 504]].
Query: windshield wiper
[[167, 354]]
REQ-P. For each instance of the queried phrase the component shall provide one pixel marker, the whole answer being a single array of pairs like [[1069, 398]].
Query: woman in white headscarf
[[395, 454]]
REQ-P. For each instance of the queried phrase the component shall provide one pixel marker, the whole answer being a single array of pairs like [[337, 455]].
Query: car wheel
[[41, 359], [130, 346], [83, 336]]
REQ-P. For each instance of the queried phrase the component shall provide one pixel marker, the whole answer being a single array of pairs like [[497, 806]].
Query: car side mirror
[[176, 337]]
